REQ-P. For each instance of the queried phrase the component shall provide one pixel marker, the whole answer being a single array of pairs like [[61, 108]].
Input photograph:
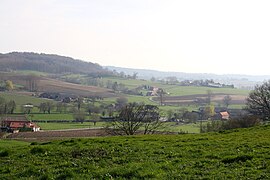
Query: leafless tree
[[134, 117], [258, 101], [227, 100], [209, 97], [161, 94]]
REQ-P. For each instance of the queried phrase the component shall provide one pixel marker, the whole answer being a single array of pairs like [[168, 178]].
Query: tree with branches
[[258, 101], [227, 100], [134, 117], [9, 85]]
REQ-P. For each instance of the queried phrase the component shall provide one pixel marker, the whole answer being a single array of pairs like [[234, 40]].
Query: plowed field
[[48, 135]]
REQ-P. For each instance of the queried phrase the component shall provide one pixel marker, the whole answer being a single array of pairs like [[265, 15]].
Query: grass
[[236, 154], [185, 128], [21, 99], [190, 90], [130, 83], [52, 116], [29, 72], [175, 90]]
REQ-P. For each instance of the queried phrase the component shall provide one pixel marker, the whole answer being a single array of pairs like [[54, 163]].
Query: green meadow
[[235, 154]]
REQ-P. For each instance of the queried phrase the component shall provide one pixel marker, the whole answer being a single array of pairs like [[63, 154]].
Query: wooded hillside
[[47, 63]]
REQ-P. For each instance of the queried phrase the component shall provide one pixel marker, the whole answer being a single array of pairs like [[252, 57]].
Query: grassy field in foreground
[[237, 154]]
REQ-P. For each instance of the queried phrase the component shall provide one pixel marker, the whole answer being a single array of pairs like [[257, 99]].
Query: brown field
[[45, 84], [52, 85], [60, 134], [191, 99]]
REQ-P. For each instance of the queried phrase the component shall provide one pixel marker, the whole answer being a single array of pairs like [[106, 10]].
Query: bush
[[242, 122], [37, 150], [3, 153]]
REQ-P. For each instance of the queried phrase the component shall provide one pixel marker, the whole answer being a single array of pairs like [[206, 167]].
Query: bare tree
[[161, 94], [32, 82], [46, 106], [121, 101], [2, 105], [79, 116], [227, 100], [11, 106], [258, 101], [209, 97], [79, 103], [60, 106], [133, 117], [134, 75]]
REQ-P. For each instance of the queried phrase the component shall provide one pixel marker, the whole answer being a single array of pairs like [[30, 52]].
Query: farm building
[[18, 123], [224, 115]]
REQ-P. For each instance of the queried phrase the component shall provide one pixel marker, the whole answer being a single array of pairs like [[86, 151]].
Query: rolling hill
[[48, 63]]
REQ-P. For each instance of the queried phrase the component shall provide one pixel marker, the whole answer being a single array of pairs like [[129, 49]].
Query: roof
[[225, 115], [22, 124], [17, 125], [28, 105]]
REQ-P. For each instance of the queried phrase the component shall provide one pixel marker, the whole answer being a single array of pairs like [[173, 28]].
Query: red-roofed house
[[223, 115], [18, 123]]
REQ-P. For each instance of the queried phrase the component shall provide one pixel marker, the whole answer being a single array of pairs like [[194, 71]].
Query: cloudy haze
[[171, 35]]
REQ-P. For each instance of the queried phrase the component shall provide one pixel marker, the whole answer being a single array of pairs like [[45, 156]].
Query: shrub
[[37, 150], [242, 122], [3, 153], [237, 159]]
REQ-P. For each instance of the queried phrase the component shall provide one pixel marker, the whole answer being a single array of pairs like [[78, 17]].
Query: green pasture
[[29, 72], [182, 128], [175, 90], [130, 83], [235, 154], [191, 90], [52, 116], [21, 99]]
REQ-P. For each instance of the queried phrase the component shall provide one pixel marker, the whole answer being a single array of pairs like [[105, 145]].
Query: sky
[[209, 36]]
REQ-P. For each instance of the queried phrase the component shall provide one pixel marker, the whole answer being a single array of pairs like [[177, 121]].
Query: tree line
[[48, 63], [7, 107]]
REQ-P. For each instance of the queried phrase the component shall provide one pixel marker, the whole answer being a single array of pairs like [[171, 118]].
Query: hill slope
[[237, 154], [47, 63]]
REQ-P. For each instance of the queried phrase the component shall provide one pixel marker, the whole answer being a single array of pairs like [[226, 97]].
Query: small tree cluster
[[79, 116], [46, 107], [7, 107], [61, 107], [6, 85], [241, 122]]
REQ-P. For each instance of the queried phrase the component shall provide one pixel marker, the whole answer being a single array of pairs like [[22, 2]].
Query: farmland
[[181, 95], [235, 154], [191, 99], [177, 97]]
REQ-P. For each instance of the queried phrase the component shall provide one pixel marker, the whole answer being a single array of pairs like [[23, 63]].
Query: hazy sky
[[218, 36]]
